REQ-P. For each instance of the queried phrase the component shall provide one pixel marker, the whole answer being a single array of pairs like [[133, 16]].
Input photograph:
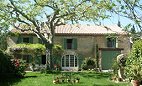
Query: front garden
[[38, 79]]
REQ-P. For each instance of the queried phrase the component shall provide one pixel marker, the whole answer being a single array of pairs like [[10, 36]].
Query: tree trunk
[[48, 59], [49, 64]]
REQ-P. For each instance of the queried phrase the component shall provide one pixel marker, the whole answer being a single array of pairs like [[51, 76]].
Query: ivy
[[27, 48], [34, 49], [111, 35]]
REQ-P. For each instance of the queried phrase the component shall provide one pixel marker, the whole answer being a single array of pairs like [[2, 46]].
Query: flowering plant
[[57, 66], [20, 66]]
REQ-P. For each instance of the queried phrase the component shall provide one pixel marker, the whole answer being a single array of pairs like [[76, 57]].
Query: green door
[[107, 58]]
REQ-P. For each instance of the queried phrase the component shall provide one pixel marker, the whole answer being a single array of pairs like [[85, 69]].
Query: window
[[26, 40], [23, 39], [70, 43], [27, 58], [43, 59], [111, 42], [69, 61]]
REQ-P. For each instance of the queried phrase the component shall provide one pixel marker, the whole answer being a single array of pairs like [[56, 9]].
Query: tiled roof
[[89, 29], [84, 29]]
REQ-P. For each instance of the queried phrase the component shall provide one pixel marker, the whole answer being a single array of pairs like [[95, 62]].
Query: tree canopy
[[131, 9], [45, 15]]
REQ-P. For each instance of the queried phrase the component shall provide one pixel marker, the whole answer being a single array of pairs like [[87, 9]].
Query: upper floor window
[[70, 43], [23, 39], [111, 42]]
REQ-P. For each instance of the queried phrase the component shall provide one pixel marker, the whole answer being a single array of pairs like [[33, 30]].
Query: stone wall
[[86, 45]]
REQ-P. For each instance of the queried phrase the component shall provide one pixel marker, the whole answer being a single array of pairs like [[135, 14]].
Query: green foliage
[[27, 48], [57, 50], [35, 49], [57, 54], [129, 9], [133, 67], [66, 10], [115, 67], [3, 36], [88, 63], [19, 67], [15, 67], [5, 63], [4, 25]]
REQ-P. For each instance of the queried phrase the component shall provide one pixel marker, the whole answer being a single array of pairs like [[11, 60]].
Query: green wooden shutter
[[75, 43], [19, 40], [114, 43], [39, 41], [65, 43], [31, 40]]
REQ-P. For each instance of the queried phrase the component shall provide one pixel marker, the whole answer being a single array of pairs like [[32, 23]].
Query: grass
[[38, 79]]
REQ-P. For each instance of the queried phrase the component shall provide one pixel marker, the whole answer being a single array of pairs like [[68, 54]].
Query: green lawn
[[38, 79]]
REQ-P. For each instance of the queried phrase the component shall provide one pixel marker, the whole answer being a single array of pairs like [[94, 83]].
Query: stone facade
[[88, 44]]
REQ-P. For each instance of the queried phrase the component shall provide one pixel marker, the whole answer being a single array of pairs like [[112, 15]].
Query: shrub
[[19, 67], [88, 63], [115, 66], [5, 63], [133, 67], [11, 68]]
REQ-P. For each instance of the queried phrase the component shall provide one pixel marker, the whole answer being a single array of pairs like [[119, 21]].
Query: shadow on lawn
[[9, 81], [30, 76], [95, 75], [105, 85]]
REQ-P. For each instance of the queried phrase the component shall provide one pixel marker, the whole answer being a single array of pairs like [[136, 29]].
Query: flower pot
[[77, 81], [135, 82]]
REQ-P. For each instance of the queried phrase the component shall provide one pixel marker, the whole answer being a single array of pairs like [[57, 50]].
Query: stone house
[[103, 43]]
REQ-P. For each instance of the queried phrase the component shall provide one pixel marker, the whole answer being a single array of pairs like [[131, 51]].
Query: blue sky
[[113, 20]]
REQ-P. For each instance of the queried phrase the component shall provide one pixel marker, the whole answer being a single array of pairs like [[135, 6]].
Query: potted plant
[[133, 68], [133, 72], [77, 79]]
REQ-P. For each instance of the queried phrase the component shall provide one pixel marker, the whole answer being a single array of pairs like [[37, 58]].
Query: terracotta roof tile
[[89, 29], [84, 29]]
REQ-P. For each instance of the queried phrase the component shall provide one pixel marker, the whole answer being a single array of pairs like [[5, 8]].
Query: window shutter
[[114, 43], [39, 41], [75, 43], [31, 40], [19, 40], [65, 43]]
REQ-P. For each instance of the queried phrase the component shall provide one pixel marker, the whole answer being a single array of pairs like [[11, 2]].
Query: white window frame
[[69, 67]]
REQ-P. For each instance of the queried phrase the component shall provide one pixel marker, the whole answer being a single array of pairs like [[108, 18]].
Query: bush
[[88, 63], [11, 68], [5, 63], [19, 67], [133, 67], [115, 66]]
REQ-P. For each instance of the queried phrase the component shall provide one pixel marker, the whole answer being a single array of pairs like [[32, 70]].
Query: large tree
[[43, 16], [4, 25]]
